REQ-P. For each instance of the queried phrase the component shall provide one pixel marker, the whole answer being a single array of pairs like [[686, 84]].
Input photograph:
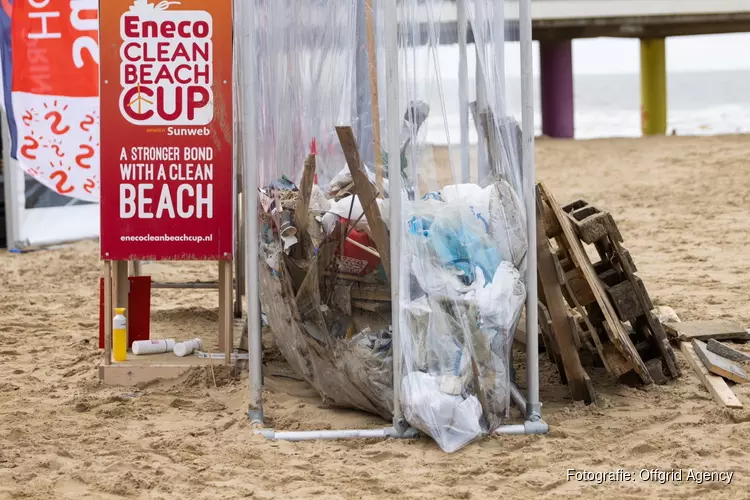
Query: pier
[[557, 22]]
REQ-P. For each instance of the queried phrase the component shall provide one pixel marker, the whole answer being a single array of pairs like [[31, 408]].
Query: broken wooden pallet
[[624, 356], [624, 289]]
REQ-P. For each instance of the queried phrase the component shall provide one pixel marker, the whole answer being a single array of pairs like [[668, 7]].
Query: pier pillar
[[556, 61], [653, 86]]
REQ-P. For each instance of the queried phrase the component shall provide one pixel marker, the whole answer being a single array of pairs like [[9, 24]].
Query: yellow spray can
[[119, 335]]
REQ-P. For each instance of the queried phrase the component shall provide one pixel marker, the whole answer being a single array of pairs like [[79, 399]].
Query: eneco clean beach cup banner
[[166, 129]]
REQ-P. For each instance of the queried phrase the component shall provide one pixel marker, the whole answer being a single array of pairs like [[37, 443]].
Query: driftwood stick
[[302, 206], [302, 209], [374, 104], [367, 196], [363, 247]]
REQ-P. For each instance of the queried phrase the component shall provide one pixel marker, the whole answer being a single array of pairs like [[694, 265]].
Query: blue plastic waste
[[462, 248]]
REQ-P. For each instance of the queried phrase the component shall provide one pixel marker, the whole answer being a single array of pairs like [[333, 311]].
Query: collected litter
[[180, 349], [184, 348], [327, 297], [155, 346]]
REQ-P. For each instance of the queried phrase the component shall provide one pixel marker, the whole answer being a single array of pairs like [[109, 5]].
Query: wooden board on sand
[[725, 351], [716, 385], [719, 365], [704, 330]]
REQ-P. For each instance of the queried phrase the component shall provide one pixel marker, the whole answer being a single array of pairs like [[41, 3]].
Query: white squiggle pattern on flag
[[58, 142]]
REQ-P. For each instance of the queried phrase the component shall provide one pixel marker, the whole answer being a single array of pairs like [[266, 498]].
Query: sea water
[[699, 103], [708, 87]]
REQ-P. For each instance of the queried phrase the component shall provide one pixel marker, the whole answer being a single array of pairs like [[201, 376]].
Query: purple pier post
[[556, 61]]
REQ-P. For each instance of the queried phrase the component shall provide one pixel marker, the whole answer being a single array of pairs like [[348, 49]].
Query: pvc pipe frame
[[247, 21], [386, 432], [536, 427], [531, 406], [463, 89], [393, 145], [10, 181]]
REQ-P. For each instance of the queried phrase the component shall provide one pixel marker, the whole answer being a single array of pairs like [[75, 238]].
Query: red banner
[[57, 45], [55, 90], [166, 130]]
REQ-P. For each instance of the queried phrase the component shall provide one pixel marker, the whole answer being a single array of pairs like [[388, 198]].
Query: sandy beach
[[681, 204]]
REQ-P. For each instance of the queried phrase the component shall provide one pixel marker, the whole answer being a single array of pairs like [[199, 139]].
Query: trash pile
[[326, 293]]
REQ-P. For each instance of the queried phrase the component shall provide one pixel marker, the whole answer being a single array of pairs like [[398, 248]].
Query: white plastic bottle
[[155, 346], [184, 348]]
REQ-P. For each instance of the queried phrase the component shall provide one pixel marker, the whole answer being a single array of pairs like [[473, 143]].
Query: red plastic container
[[355, 260]]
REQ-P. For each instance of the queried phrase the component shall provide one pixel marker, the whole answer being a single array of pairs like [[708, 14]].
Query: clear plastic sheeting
[[464, 240], [325, 216], [305, 68]]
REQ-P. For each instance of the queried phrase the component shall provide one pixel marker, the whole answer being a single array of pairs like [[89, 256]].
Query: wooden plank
[[302, 207], [623, 255], [706, 329], [619, 336], [624, 297], [580, 385], [376, 307], [372, 67], [363, 247], [584, 315], [367, 196], [222, 299], [725, 351], [372, 294], [639, 289], [618, 365], [590, 223], [368, 278], [108, 309], [194, 285], [120, 284], [590, 228], [579, 287], [590, 329], [550, 344], [226, 318], [716, 386], [480, 123], [718, 365], [551, 227]]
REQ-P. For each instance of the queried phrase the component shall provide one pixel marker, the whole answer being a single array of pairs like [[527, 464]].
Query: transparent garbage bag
[[465, 297]]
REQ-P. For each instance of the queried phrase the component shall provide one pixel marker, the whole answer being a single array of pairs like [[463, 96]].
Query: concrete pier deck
[[569, 19]]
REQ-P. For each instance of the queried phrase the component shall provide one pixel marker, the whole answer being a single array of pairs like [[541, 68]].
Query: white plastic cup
[[155, 346], [182, 349]]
